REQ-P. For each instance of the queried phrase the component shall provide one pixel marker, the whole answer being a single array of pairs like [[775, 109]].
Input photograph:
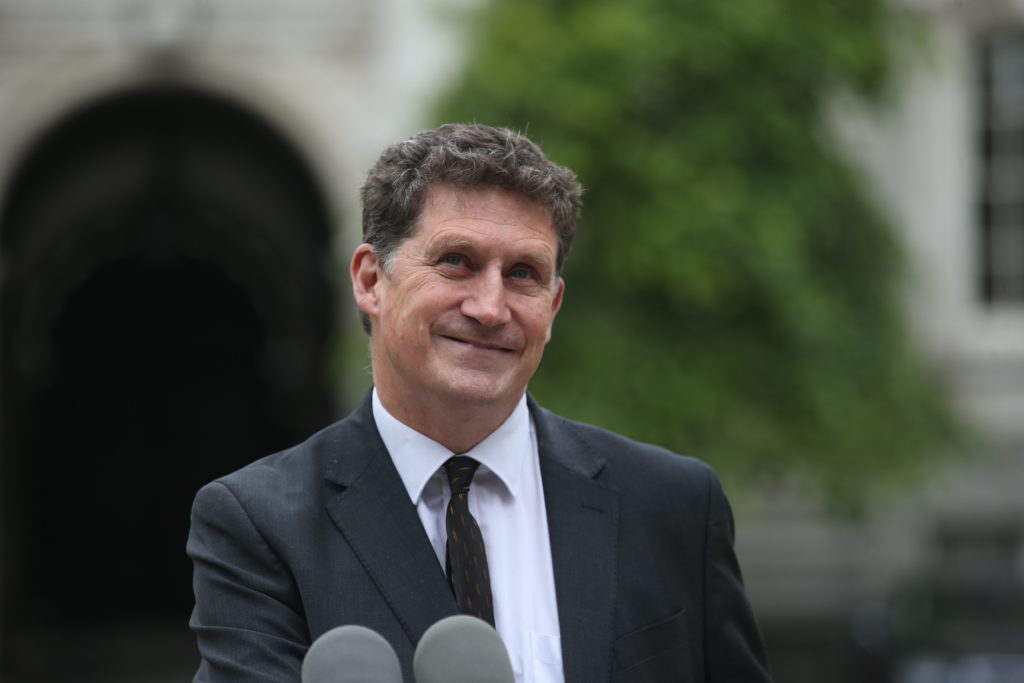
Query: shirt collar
[[417, 457]]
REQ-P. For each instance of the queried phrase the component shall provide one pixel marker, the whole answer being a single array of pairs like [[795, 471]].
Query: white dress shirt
[[507, 499]]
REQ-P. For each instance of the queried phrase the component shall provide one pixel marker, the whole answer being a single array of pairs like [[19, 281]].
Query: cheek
[[414, 313], [538, 327], [435, 300]]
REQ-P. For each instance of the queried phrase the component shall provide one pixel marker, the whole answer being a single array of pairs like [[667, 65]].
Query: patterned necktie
[[467, 559]]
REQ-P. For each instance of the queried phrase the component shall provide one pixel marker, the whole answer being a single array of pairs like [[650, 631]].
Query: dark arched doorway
[[167, 306]]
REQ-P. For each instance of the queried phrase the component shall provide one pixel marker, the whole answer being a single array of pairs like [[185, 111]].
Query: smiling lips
[[503, 346]]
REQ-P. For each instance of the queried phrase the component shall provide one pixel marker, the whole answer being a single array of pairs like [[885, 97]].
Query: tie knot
[[460, 469]]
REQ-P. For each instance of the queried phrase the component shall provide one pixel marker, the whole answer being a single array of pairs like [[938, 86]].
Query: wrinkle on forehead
[[463, 198]]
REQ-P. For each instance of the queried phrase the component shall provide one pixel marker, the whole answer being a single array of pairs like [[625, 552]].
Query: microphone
[[351, 654], [462, 649]]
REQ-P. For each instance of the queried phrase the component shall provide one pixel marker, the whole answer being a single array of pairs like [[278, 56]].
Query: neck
[[456, 425]]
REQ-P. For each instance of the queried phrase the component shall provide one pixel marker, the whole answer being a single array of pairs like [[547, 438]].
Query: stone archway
[[167, 308]]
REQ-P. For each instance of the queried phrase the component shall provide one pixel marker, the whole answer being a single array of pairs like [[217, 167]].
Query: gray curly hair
[[463, 156]]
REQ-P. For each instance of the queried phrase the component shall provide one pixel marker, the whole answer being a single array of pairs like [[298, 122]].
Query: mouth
[[481, 345]]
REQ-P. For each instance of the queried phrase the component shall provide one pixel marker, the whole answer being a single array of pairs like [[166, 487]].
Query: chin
[[476, 391]]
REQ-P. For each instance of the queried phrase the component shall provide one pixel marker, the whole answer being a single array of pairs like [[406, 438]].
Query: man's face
[[466, 307]]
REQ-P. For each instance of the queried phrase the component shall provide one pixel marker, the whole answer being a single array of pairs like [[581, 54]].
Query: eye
[[452, 260], [521, 273]]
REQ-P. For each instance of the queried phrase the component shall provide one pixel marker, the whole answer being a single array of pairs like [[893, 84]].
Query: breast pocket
[[659, 652]]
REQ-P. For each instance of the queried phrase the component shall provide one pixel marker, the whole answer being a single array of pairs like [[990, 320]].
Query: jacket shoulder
[[638, 469], [293, 475]]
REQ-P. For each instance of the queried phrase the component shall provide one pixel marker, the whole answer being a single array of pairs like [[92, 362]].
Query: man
[[601, 559]]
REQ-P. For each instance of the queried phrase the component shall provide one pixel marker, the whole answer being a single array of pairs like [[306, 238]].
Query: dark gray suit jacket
[[324, 534]]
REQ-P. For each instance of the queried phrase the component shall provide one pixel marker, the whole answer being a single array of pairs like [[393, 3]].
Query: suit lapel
[[583, 527], [380, 523]]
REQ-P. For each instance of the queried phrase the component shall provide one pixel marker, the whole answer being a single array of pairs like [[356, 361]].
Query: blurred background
[[801, 259]]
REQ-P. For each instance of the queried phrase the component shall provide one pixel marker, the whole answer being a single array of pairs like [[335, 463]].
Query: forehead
[[488, 210]]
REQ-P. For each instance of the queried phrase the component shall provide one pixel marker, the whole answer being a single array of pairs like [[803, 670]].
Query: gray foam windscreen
[[462, 649], [351, 654]]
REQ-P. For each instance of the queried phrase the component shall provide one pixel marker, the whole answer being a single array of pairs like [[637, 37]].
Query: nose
[[487, 300]]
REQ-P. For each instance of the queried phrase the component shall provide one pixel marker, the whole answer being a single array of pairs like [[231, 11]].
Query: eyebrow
[[449, 243]]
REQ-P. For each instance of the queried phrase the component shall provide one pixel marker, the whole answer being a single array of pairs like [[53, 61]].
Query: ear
[[556, 303], [366, 273]]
